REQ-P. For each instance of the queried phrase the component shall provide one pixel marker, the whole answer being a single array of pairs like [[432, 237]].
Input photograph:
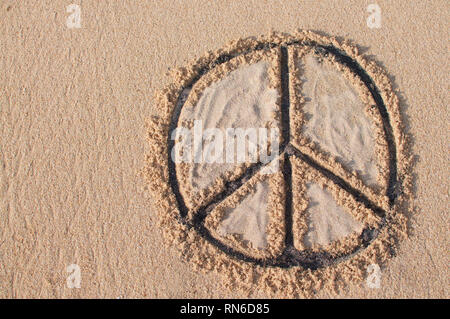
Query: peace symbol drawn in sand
[[332, 202]]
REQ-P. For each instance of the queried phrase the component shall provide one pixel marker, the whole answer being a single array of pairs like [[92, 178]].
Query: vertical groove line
[[285, 122]]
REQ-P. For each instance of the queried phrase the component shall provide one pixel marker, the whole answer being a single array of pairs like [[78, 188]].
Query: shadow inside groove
[[290, 257]]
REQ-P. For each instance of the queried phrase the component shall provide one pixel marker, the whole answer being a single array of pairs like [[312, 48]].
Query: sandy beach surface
[[73, 106]]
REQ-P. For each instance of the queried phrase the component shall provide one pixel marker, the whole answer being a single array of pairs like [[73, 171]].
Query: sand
[[221, 107], [247, 80], [249, 218], [327, 221], [72, 108], [285, 270], [336, 119]]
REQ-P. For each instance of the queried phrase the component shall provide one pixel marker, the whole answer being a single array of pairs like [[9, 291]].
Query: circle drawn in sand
[[331, 209]]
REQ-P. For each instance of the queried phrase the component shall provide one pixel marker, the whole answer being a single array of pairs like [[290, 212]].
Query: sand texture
[[336, 119], [216, 103], [249, 218], [78, 108], [327, 221]]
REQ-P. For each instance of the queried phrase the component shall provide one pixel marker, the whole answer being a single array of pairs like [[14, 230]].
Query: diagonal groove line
[[360, 197]]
